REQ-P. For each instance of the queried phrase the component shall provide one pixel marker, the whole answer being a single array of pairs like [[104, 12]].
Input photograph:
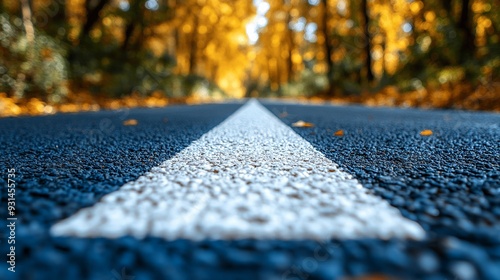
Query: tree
[[135, 21], [326, 33], [27, 22], [465, 26], [92, 15], [366, 29]]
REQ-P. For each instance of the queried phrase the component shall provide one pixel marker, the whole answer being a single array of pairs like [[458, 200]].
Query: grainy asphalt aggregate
[[448, 182]]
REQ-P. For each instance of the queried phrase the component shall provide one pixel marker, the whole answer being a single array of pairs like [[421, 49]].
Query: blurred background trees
[[394, 52]]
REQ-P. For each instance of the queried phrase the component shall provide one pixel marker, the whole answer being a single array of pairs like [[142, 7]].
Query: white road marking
[[249, 177]]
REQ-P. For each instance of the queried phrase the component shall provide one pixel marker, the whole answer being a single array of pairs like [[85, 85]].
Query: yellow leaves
[[275, 41], [430, 16], [302, 123], [187, 28], [296, 58], [280, 26], [226, 9], [206, 10], [416, 6], [320, 55], [203, 29], [130, 122], [107, 21], [339, 133], [486, 22], [211, 49], [8, 106], [309, 55], [426, 132], [213, 18], [11, 106], [479, 7], [295, 12]]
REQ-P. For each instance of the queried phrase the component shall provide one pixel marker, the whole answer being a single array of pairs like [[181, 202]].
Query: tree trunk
[[194, 46], [366, 29], [278, 77], [129, 30], [55, 14], [465, 26], [448, 6], [213, 74], [27, 22], [291, 47], [326, 34], [135, 21], [92, 15]]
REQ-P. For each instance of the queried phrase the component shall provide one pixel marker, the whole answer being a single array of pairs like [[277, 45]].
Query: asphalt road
[[449, 183]]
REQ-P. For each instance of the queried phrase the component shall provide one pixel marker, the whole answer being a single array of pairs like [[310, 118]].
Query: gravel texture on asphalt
[[251, 177], [447, 182]]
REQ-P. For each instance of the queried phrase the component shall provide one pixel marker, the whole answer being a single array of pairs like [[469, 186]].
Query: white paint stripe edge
[[249, 177]]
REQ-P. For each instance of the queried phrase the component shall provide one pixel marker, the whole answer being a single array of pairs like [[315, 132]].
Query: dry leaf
[[302, 124], [283, 115], [339, 132], [426, 132], [130, 122]]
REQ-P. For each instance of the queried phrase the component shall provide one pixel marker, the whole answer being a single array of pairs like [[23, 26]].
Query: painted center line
[[249, 177]]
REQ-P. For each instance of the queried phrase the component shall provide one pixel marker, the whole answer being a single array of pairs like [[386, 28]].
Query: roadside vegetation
[[74, 55]]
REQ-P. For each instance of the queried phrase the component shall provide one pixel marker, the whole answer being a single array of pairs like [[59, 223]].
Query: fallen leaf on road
[[339, 132], [302, 124], [283, 115], [426, 132], [130, 122]]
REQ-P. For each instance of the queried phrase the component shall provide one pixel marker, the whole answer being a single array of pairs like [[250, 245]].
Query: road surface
[[236, 191]]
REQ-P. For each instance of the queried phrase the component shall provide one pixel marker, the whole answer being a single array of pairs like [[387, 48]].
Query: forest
[[71, 55]]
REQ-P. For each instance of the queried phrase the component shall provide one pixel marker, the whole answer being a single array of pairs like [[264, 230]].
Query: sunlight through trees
[[237, 48]]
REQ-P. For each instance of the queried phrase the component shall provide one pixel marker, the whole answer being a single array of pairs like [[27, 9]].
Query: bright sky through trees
[[260, 21]]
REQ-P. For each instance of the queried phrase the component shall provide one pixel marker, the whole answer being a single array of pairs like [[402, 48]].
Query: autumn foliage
[[71, 55]]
